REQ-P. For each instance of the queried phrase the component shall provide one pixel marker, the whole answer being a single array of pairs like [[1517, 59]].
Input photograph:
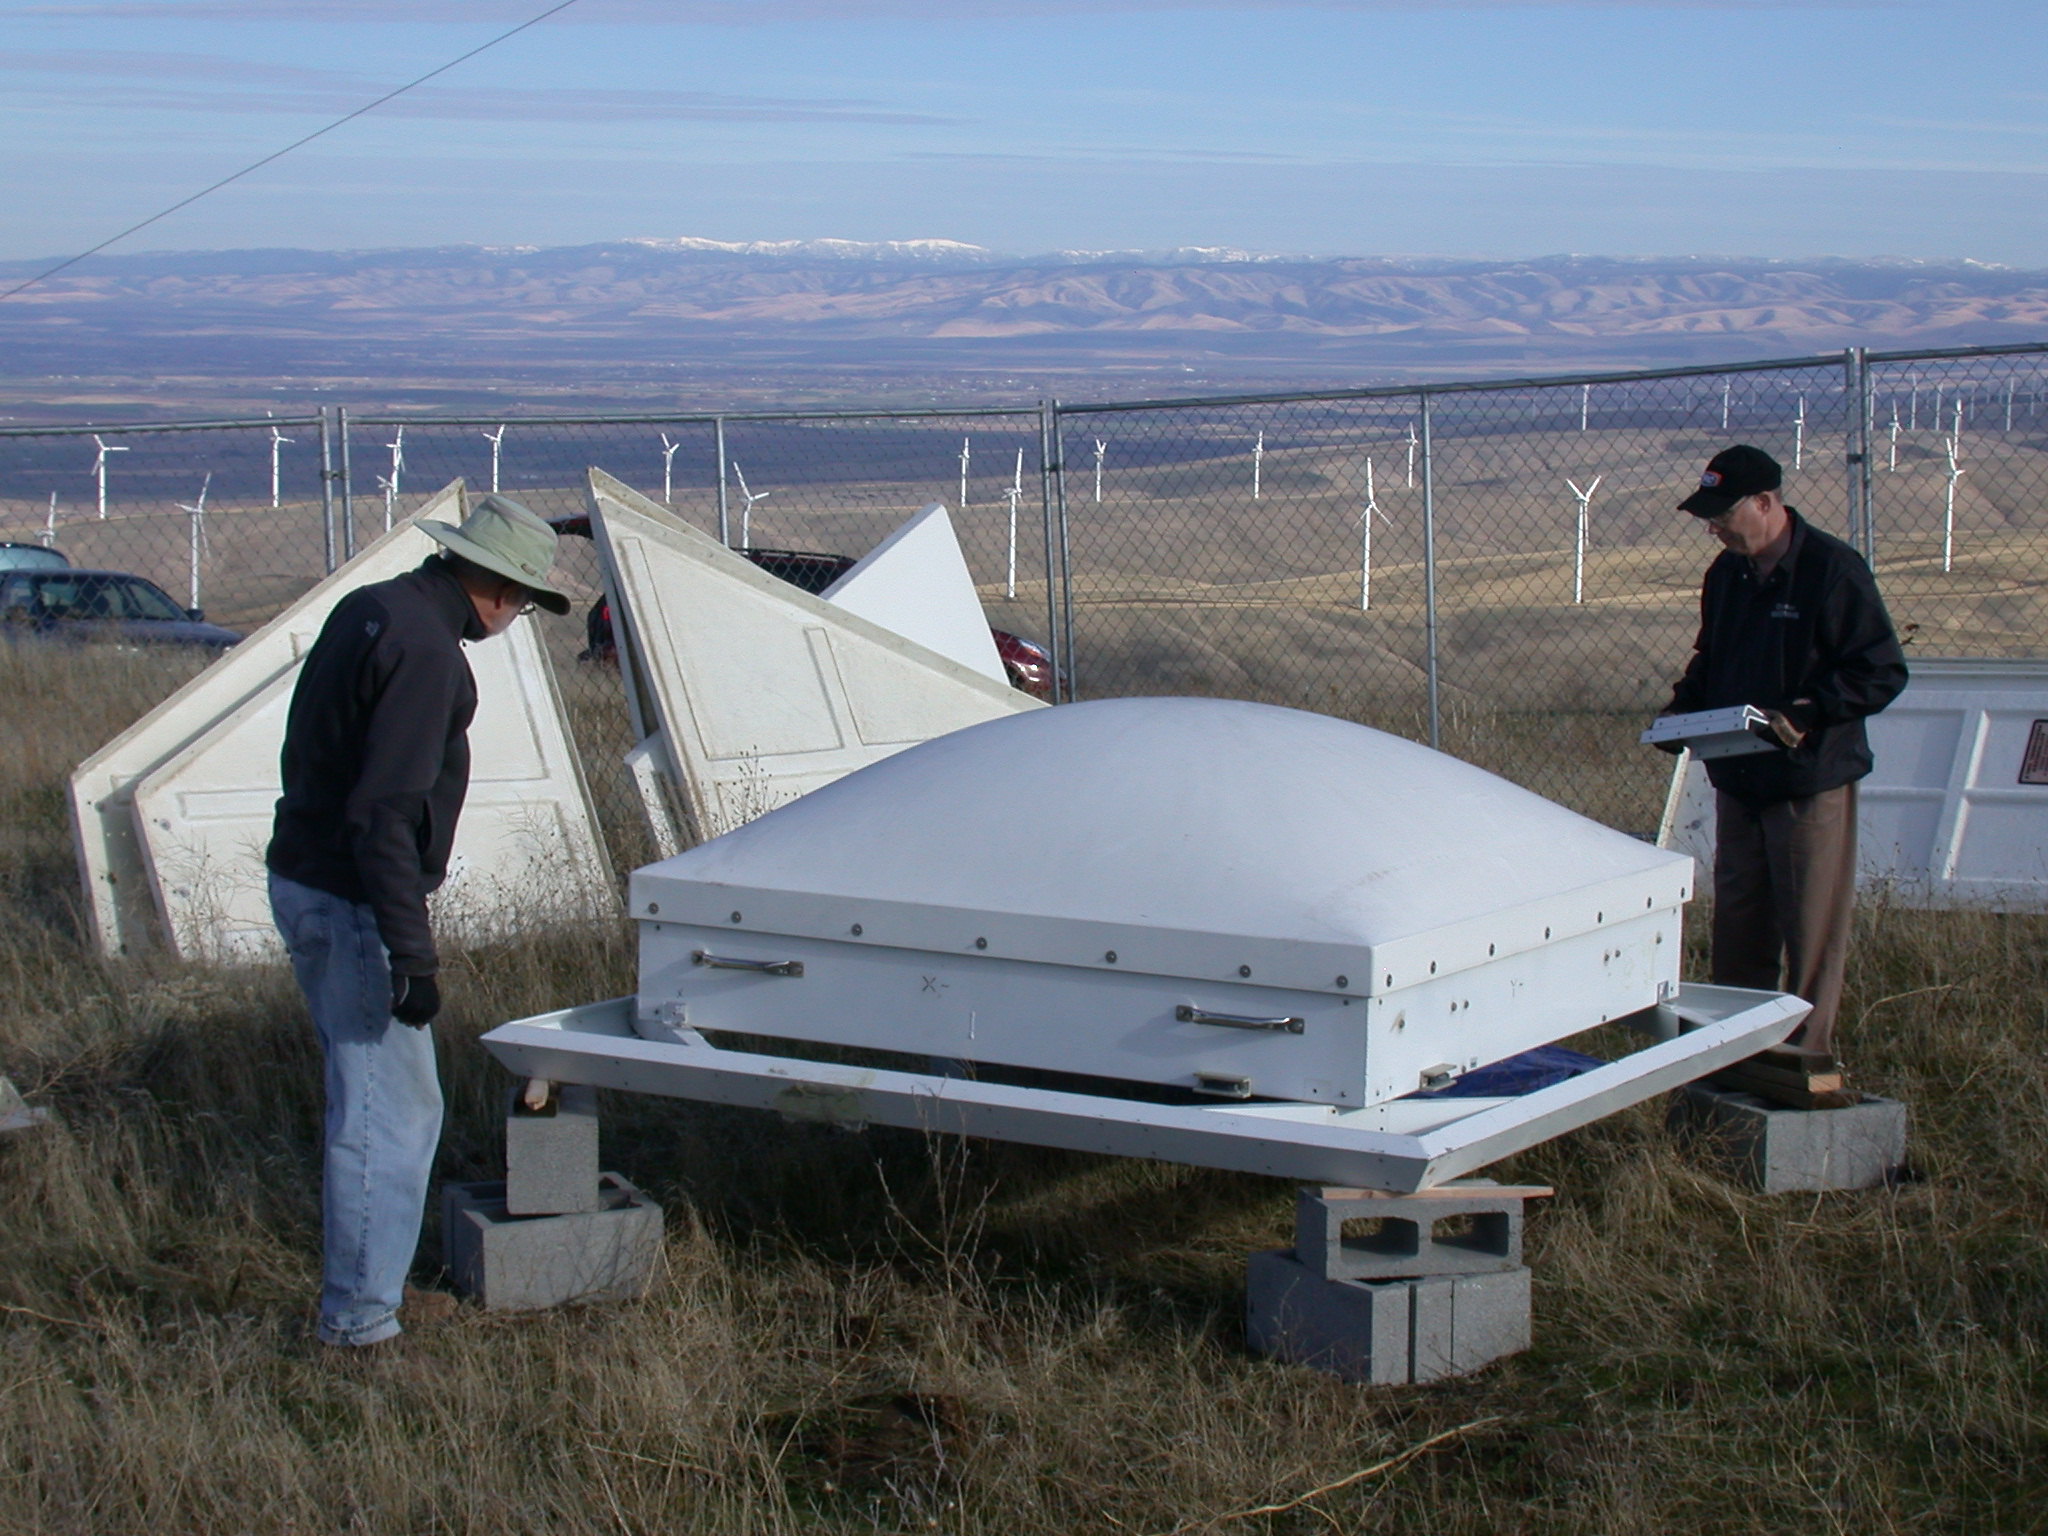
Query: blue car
[[16, 556], [103, 606]]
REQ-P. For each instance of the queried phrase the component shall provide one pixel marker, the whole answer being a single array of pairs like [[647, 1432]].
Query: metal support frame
[[1401, 1146]]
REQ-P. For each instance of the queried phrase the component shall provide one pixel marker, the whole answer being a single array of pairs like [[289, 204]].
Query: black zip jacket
[[376, 754], [1811, 640]]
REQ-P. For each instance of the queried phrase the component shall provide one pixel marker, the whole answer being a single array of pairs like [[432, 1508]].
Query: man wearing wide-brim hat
[[376, 767], [1790, 622]]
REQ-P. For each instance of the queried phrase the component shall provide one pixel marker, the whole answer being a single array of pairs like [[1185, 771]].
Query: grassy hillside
[[863, 1333]]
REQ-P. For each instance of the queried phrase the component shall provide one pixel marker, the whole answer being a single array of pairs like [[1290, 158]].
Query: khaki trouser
[[1784, 891]]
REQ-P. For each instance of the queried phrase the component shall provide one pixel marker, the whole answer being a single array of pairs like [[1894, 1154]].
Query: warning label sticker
[[2034, 766]]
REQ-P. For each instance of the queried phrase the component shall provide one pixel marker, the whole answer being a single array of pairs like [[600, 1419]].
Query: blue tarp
[[1510, 1079]]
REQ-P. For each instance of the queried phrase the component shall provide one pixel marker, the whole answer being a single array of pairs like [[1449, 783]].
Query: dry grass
[[879, 1333]]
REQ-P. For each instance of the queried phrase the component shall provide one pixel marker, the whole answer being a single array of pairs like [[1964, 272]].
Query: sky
[[1494, 129]]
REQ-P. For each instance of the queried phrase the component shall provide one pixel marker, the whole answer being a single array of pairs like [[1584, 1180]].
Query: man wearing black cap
[[376, 767], [1791, 622]]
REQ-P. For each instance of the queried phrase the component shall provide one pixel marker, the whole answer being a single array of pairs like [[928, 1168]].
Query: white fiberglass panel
[[916, 583], [110, 855], [763, 691], [1955, 813], [526, 851]]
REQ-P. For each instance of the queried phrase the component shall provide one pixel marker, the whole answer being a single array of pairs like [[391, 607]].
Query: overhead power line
[[187, 202]]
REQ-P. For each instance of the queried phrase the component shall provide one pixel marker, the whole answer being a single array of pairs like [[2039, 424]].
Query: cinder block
[[516, 1263], [1780, 1150], [1414, 1236], [551, 1154], [1384, 1332], [1462, 1323]]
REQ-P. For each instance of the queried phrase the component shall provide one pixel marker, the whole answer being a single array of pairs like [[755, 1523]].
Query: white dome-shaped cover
[[1313, 847]]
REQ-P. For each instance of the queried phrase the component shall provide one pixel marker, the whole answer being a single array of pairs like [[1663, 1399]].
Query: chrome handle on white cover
[[1188, 1014], [728, 963]]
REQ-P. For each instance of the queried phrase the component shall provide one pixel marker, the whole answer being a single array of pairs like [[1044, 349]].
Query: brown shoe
[[423, 1309]]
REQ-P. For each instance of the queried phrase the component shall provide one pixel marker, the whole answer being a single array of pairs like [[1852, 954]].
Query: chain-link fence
[[228, 517], [1496, 566]]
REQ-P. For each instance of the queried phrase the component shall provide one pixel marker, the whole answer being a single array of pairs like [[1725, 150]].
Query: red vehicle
[[1026, 663]]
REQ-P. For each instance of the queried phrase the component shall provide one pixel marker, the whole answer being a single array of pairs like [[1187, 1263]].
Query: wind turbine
[[1258, 461], [966, 453], [197, 509], [1100, 449], [1727, 388], [1892, 462], [1013, 493], [747, 511], [1948, 513], [49, 534], [277, 442], [497, 443], [1372, 510], [397, 447], [1956, 432], [99, 470], [1413, 440], [668, 479], [1579, 547], [2008, 403], [1913, 404], [1585, 405], [1799, 435]]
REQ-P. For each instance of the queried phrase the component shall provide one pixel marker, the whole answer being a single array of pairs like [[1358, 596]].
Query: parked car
[[105, 606], [1026, 663], [31, 557]]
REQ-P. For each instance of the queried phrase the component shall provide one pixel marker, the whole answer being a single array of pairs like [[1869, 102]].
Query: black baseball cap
[[1730, 475]]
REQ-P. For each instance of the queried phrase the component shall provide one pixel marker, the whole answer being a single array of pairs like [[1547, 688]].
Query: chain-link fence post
[[724, 518], [1856, 384], [327, 490], [1052, 506], [348, 490], [1429, 636]]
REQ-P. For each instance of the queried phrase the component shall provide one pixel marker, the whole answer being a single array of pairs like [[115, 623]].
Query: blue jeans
[[383, 1111]]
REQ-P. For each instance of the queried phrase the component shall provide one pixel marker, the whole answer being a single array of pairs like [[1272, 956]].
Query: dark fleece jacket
[[1812, 640], [376, 754]]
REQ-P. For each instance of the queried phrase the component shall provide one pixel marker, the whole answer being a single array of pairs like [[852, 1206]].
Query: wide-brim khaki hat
[[507, 540]]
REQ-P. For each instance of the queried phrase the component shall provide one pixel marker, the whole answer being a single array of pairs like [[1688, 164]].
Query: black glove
[[1778, 729], [415, 1000]]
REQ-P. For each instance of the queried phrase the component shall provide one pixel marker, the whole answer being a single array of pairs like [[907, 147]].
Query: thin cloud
[[115, 64], [752, 13], [261, 88]]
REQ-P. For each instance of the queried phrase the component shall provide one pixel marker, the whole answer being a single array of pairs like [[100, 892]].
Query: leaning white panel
[[764, 692], [111, 862], [526, 851], [1956, 811], [916, 584]]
